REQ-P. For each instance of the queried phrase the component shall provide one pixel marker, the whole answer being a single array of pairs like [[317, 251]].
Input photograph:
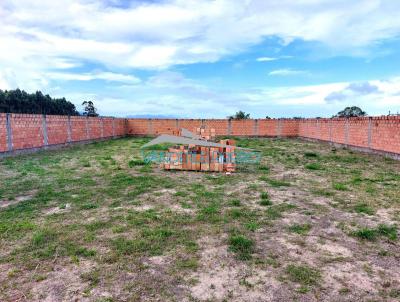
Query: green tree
[[351, 112], [240, 115], [19, 101], [89, 109]]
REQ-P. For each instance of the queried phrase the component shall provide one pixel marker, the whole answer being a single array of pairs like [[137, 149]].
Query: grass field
[[94, 223]]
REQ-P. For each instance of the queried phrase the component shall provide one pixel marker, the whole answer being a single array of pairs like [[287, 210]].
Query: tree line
[[347, 112], [19, 101]]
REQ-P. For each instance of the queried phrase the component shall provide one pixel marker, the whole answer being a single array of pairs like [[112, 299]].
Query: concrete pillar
[[256, 127], [69, 130], [44, 129], [346, 132], [370, 132], [9, 132], [113, 126], [229, 127], [279, 128], [102, 127], [149, 126], [87, 128]]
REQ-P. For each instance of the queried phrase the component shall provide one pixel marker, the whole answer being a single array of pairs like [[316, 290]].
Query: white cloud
[[171, 94], [157, 35], [287, 72], [46, 39], [106, 76], [265, 59]]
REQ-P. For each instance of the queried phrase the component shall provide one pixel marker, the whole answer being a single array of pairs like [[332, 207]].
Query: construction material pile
[[205, 133], [198, 158], [185, 150]]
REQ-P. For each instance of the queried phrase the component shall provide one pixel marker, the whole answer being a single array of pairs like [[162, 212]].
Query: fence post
[[69, 130], [255, 129], [279, 128], [87, 128], [149, 126], [177, 123], [113, 126], [9, 132], [44, 129], [369, 132]]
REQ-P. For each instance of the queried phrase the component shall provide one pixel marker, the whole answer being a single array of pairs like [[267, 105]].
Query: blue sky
[[200, 59]]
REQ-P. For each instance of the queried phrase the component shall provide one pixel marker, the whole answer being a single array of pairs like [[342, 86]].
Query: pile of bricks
[[205, 132], [199, 158]]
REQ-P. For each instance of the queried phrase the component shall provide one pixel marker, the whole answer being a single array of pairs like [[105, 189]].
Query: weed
[[313, 166], [303, 274], [363, 208], [388, 231], [263, 168], [311, 154], [242, 246], [366, 234], [265, 201], [190, 263], [340, 186], [93, 277], [252, 226], [136, 162], [275, 182], [371, 234], [234, 202], [301, 229]]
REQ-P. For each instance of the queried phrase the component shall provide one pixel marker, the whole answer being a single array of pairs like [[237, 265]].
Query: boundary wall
[[31, 132]]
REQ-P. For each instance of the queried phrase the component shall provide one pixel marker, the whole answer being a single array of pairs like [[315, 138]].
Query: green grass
[[123, 219], [364, 208], [275, 182], [265, 200], [311, 155], [371, 234], [242, 246], [303, 274], [340, 186], [301, 229], [313, 166]]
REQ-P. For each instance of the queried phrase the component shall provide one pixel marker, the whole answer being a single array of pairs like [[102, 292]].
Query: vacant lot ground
[[93, 223]]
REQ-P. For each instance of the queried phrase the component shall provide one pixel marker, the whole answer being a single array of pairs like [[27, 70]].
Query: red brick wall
[[57, 129], [3, 133], [220, 126], [289, 128], [242, 127], [137, 126], [27, 131], [268, 127], [190, 124], [120, 127], [94, 125], [107, 127], [78, 128], [385, 134], [377, 133]]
